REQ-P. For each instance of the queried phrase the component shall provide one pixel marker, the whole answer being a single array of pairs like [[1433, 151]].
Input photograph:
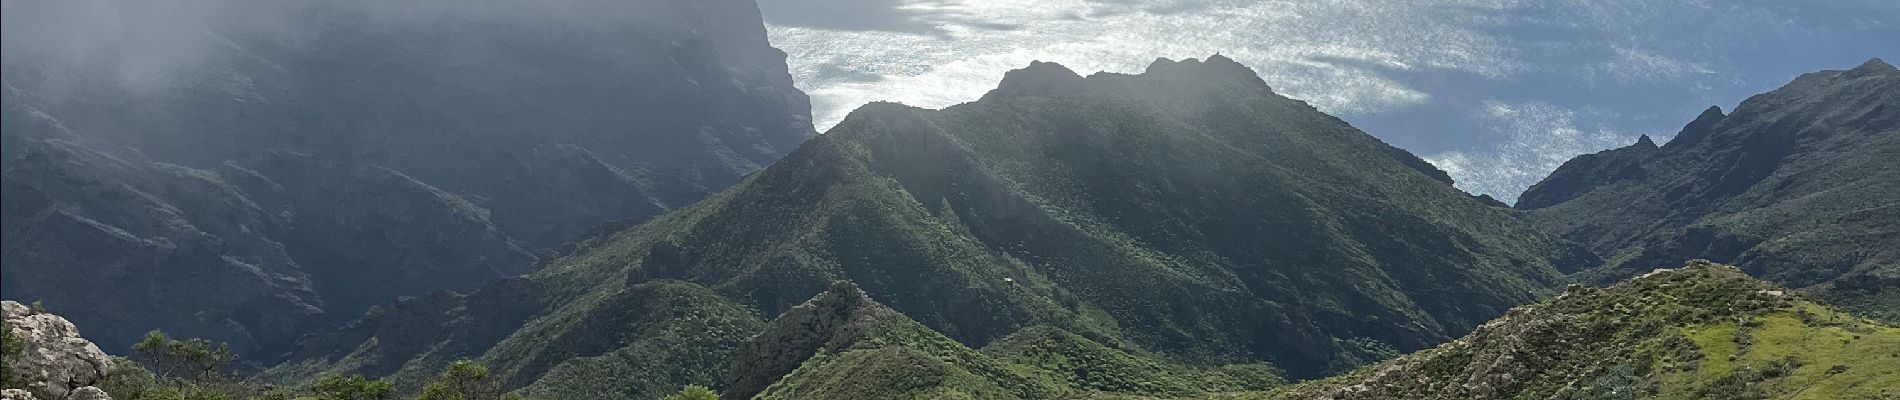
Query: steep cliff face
[[1797, 186], [250, 171]]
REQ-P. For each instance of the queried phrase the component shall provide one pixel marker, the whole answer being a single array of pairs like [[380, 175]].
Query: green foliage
[[353, 387], [462, 380], [1083, 365], [193, 369], [642, 343], [192, 358], [10, 347], [189, 369], [694, 392], [466, 380]]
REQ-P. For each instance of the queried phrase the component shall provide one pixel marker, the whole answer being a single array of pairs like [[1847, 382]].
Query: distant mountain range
[[343, 154], [1799, 186]]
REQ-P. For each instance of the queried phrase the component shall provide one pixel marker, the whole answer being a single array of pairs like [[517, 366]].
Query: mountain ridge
[[1794, 185]]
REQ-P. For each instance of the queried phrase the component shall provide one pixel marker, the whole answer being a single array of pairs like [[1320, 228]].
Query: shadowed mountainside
[[1798, 186], [247, 179]]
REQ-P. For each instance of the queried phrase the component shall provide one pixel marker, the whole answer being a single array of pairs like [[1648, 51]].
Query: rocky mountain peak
[[1215, 70], [1699, 129], [1039, 78], [1873, 66]]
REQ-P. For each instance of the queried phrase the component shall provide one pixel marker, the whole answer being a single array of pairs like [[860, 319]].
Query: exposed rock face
[[88, 393], [1797, 185], [56, 364], [265, 175]]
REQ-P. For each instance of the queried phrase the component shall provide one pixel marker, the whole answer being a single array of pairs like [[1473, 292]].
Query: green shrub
[[694, 392], [353, 387], [10, 347]]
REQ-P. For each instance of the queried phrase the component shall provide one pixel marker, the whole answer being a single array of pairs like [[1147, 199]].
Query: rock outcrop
[[55, 363]]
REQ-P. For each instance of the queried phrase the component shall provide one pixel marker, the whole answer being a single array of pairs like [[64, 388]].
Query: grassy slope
[[1705, 331]]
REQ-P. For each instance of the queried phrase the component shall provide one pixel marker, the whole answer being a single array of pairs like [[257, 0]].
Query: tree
[[170, 357], [462, 380]]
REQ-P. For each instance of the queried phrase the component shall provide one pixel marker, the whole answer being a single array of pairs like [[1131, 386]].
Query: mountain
[[1187, 212], [247, 172], [1797, 185], [1705, 331]]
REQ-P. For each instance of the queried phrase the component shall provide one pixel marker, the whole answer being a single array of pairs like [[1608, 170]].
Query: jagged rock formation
[[1187, 213], [54, 362], [1704, 331], [1797, 186], [246, 172]]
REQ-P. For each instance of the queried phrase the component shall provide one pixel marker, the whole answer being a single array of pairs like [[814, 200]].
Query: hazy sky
[[1496, 92]]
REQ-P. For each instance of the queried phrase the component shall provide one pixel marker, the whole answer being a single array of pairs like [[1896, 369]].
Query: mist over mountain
[[247, 171], [1798, 186]]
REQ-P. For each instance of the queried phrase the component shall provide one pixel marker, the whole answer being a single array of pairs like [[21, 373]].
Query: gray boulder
[[55, 363]]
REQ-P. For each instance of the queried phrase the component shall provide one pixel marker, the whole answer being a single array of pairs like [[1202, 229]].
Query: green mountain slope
[[1798, 186], [1706, 331], [1187, 212], [843, 345]]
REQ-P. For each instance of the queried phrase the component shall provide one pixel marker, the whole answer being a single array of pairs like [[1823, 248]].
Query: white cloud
[[1537, 138], [1631, 64], [1329, 53]]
